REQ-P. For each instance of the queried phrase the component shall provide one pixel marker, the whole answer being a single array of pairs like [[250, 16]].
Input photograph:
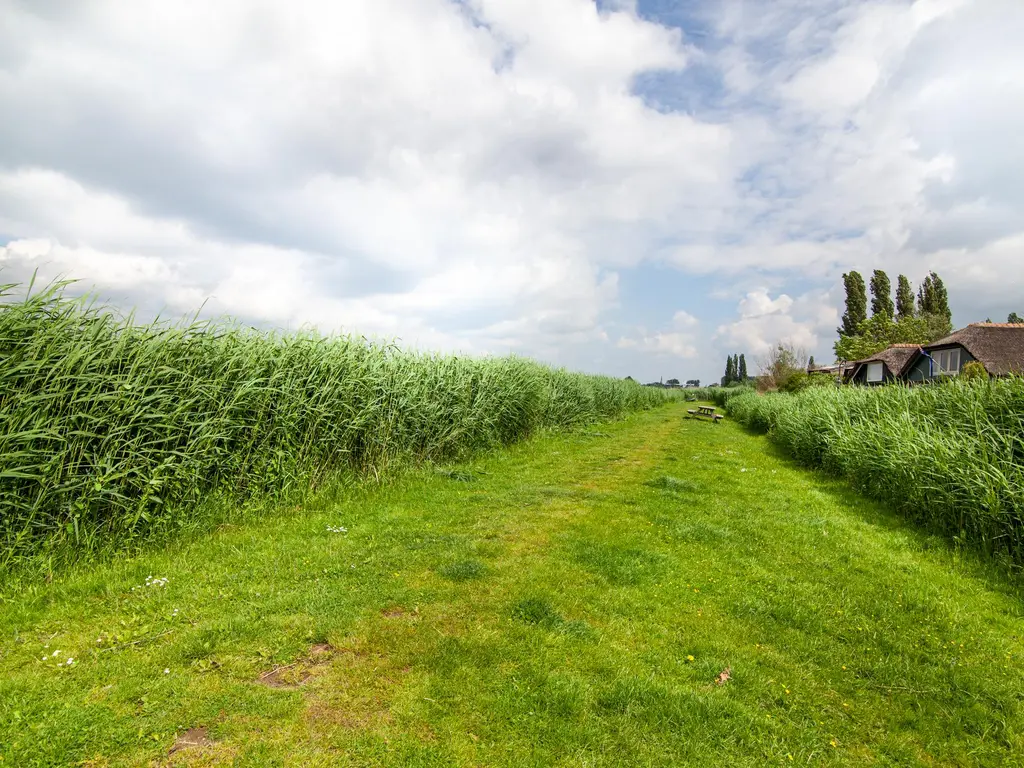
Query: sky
[[628, 188]]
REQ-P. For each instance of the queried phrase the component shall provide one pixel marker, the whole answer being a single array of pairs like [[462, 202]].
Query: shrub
[[973, 371]]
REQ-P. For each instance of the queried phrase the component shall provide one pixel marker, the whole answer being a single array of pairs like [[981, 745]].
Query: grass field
[[573, 600]]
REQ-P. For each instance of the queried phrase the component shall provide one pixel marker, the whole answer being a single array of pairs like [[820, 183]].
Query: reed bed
[[111, 430], [949, 456]]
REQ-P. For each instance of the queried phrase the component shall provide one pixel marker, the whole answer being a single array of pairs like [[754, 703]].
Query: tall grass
[[111, 430], [720, 396], [949, 456]]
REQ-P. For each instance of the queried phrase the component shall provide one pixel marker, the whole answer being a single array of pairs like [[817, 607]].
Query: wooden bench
[[704, 410]]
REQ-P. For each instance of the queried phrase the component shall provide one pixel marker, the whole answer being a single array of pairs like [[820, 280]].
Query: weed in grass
[[463, 570], [457, 475], [672, 484], [618, 564], [537, 610]]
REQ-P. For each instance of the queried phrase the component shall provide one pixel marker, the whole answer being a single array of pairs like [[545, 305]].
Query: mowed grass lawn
[[658, 591]]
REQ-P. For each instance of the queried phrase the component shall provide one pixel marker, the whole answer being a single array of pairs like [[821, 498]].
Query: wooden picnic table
[[705, 410]]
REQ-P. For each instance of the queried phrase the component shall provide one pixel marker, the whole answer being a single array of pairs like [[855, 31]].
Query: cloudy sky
[[622, 187]]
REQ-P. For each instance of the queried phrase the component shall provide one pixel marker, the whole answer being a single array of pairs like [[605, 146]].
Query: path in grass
[[572, 602]]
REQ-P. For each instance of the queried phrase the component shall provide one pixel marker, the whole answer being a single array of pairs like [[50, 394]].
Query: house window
[[947, 362], [874, 372]]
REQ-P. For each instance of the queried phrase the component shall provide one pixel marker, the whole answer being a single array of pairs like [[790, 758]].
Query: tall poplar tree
[[881, 299], [856, 304], [941, 298], [904, 298], [926, 297], [743, 369], [933, 307]]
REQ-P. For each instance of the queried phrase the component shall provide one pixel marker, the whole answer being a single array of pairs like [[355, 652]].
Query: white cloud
[[461, 163], [680, 341], [764, 322], [480, 175], [683, 319]]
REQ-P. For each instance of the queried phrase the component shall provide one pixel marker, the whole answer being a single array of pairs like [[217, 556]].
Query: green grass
[[572, 606]]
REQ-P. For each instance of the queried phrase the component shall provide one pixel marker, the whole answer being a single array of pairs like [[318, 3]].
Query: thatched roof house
[[884, 366], [999, 347]]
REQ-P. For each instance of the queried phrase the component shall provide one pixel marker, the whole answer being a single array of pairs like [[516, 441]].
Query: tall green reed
[[111, 430], [950, 455]]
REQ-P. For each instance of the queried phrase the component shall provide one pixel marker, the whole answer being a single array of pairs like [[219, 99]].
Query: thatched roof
[[894, 357], [997, 346]]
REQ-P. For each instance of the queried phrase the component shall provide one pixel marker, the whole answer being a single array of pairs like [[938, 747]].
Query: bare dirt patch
[[289, 676], [193, 737]]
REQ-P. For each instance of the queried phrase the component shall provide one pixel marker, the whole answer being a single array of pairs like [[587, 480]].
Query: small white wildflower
[[70, 661], [743, 469], [55, 653], [167, 671]]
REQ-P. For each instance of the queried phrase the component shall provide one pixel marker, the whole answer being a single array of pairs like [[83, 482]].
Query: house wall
[[919, 371], [861, 376]]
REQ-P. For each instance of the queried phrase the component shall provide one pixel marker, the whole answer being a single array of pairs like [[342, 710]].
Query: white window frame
[[875, 368], [947, 362]]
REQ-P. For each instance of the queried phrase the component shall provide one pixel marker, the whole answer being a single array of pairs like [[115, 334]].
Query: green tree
[[1014, 318], [783, 362], [880, 332], [933, 306], [932, 298], [941, 299], [810, 362], [881, 299], [735, 367], [730, 373], [856, 304], [743, 369], [904, 298]]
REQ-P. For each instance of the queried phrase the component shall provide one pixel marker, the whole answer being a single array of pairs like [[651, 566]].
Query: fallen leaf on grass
[[723, 676]]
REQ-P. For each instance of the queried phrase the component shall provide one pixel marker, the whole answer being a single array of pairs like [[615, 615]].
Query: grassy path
[[569, 602]]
